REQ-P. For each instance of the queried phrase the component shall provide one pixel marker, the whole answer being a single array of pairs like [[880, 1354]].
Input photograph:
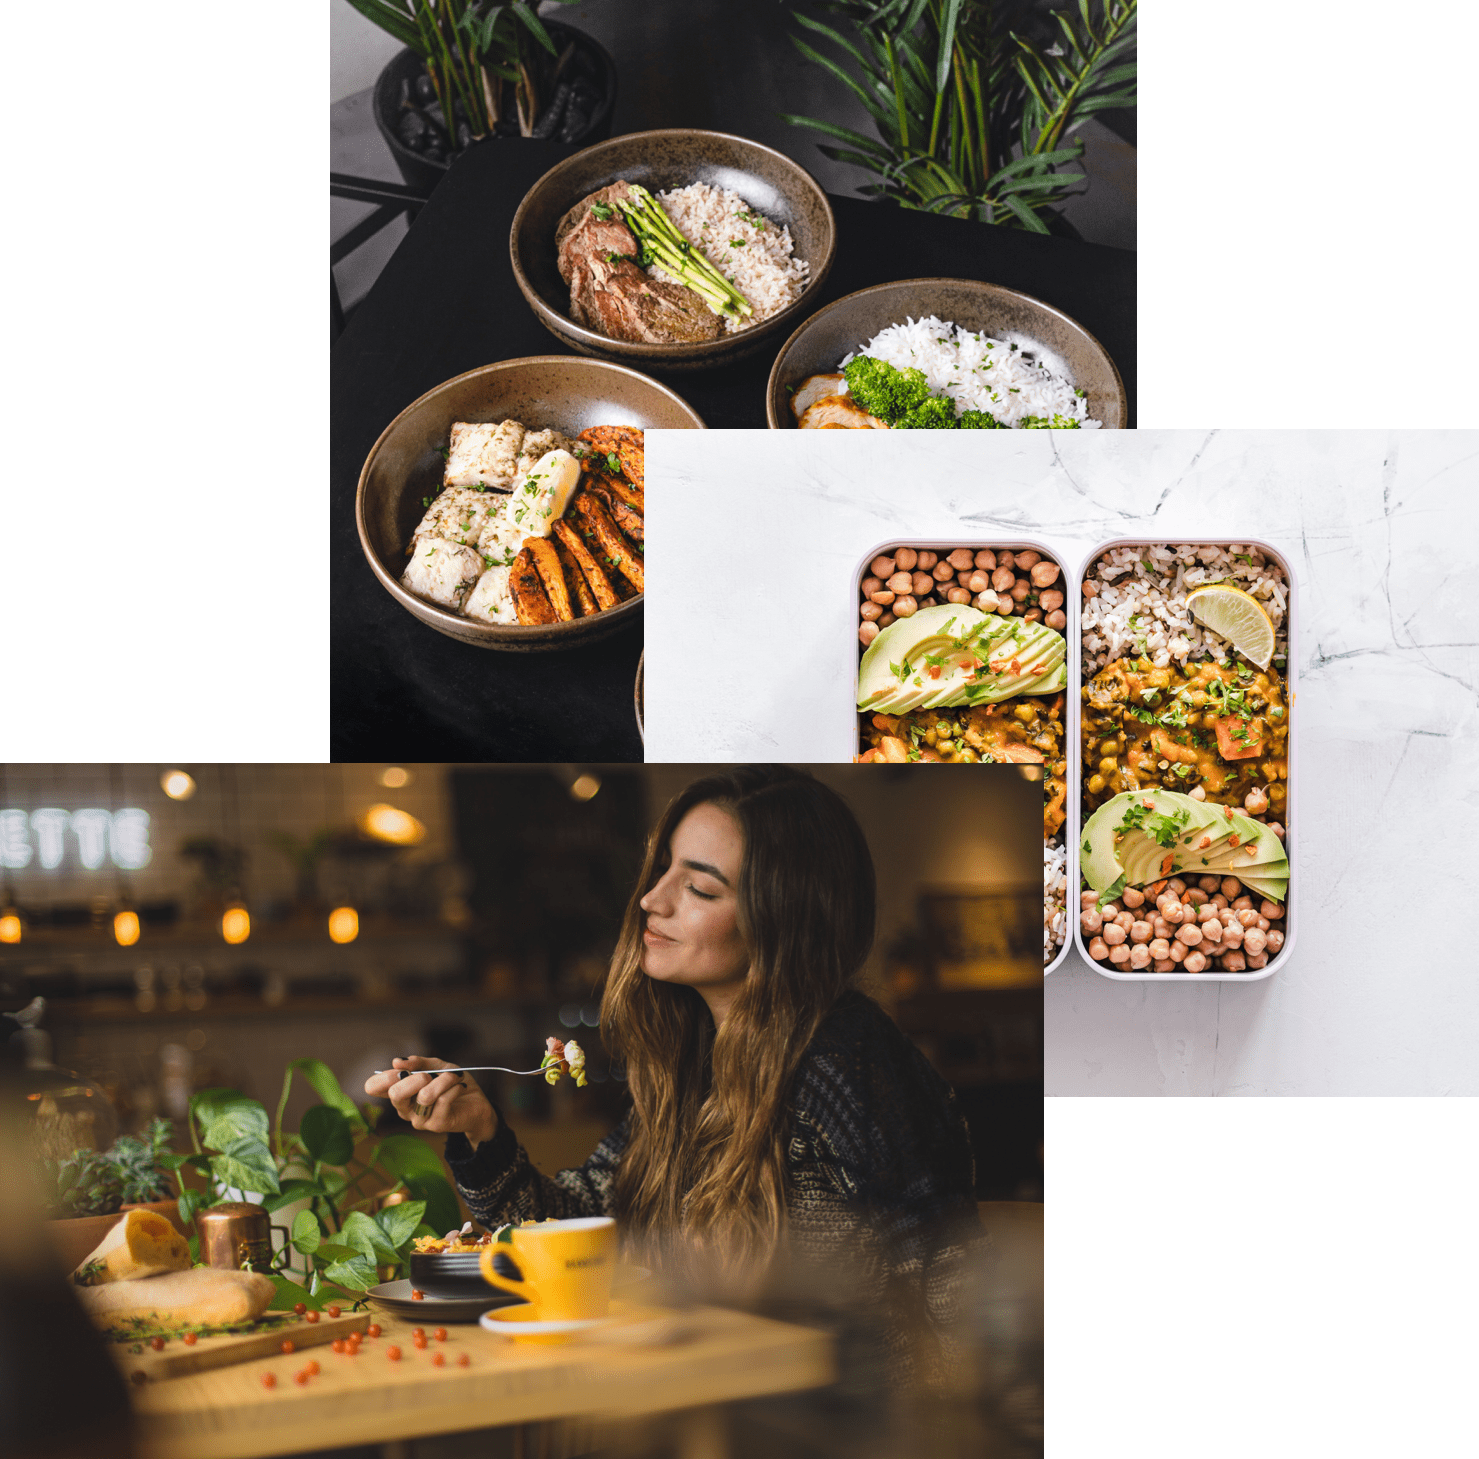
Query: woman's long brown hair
[[703, 1176]]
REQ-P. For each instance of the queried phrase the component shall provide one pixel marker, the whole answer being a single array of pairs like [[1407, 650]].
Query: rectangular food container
[[1071, 599], [1291, 827]]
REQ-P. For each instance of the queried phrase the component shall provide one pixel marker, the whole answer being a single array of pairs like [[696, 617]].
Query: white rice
[[1054, 899], [1140, 607], [749, 250], [1001, 377]]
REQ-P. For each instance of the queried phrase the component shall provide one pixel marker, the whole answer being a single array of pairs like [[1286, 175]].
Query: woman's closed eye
[[707, 896]]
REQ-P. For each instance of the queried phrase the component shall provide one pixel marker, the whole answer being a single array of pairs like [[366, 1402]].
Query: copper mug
[[237, 1234]]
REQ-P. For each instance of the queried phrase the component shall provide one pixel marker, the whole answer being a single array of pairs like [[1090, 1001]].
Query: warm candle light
[[126, 928], [177, 784], [585, 786], [236, 925], [343, 924], [10, 927], [395, 777], [386, 823]]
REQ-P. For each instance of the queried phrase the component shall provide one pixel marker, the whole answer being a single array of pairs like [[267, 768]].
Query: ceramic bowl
[[543, 391], [780, 189], [820, 344]]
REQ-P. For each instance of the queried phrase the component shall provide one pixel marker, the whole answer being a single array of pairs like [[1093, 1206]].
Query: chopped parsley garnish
[[602, 212]]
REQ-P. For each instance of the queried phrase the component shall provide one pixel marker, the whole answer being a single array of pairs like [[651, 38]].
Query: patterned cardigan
[[880, 1202]]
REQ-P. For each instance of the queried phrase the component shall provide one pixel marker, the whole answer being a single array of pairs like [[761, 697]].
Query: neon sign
[[97, 836]]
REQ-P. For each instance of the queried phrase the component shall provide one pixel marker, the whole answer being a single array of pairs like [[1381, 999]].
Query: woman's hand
[[445, 1104]]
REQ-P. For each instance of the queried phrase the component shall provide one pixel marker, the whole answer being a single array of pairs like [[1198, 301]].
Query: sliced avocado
[[1275, 888], [900, 654], [1233, 859], [1041, 656], [1131, 835]]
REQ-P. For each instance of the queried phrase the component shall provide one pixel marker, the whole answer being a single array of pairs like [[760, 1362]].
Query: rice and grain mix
[[1054, 899], [748, 249], [1135, 603]]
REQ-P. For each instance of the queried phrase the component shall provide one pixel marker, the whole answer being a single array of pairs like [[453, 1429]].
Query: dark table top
[[447, 302]]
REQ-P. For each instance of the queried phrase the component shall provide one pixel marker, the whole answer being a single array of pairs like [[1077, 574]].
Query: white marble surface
[[754, 538]]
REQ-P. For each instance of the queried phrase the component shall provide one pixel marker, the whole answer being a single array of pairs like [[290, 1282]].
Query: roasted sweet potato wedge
[[623, 442], [611, 544], [585, 600], [595, 576], [531, 602], [627, 518], [547, 563]]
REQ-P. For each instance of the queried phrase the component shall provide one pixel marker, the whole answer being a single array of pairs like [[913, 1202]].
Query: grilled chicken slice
[[611, 543], [531, 602], [595, 576], [585, 600], [547, 563], [838, 413], [815, 388], [623, 442]]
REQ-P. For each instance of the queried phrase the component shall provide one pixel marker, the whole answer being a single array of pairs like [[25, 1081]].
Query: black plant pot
[[423, 172]]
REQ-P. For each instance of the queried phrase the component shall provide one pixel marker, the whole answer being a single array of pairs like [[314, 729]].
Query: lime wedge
[[1237, 617]]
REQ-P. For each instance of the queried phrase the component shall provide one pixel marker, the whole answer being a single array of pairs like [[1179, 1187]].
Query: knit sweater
[[879, 1174]]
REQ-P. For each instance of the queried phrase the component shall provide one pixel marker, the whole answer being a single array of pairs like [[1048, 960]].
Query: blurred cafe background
[[171, 928]]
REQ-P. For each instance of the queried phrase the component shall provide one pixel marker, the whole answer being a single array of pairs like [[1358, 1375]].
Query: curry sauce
[[1221, 726]]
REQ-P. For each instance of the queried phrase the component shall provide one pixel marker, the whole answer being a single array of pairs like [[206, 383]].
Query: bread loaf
[[142, 1244], [200, 1297]]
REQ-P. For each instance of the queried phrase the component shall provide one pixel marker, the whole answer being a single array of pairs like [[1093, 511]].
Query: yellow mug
[[567, 1267]]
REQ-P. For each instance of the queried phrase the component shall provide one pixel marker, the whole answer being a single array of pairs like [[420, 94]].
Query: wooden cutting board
[[177, 1358]]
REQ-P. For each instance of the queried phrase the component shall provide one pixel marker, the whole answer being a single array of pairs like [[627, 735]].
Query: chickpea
[[1120, 953], [1194, 896], [986, 558], [1139, 956], [1262, 924], [927, 560], [867, 632], [1274, 940], [1256, 801], [1243, 903], [1057, 619], [1207, 913], [1178, 951], [905, 558], [1088, 899], [1247, 918], [1024, 560], [1209, 884], [1257, 960], [870, 611], [1220, 902], [1195, 963], [921, 584], [1051, 599], [1196, 792], [978, 581], [900, 582], [1096, 784], [1176, 885], [1163, 965], [882, 567], [1044, 574], [942, 572], [962, 557], [1233, 962], [1254, 940], [1160, 947], [1162, 928], [1090, 920], [1212, 931], [1277, 829], [1174, 913], [986, 601], [1272, 910], [1140, 931], [1098, 949], [1005, 559], [1020, 590], [1110, 910], [1108, 765], [1190, 934], [1091, 590], [886, 620], [1113, 934], [1125, 919], [905, 607], [1002, 579], [963, 578], [1132, 897], [1231, 886], [869, 586], [1033, 615], [1004, 604], [958, 595], [883, 595]]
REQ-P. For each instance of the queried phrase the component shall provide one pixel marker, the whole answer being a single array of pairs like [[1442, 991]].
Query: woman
[[777, 1118]]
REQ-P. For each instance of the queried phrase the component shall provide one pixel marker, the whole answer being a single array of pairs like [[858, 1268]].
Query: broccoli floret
[[884, 391], [1045, 423], [932, 414], [979, 420]]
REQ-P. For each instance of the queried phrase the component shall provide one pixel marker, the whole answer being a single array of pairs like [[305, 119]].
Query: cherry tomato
[[417, 1296], [437, 1359], [418, 1332], [299, 1308], [313, 1368], [463, 1360], [393, 1353], [157, 1343], [288, 1345], [334, 1309], [440, 1334], [269, 1380], [339, 1345], [310, 1317], [301, 1377], [373, 1330], [190, 1339]]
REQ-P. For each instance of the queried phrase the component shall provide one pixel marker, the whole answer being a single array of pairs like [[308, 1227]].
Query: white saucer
[[515, 1326]]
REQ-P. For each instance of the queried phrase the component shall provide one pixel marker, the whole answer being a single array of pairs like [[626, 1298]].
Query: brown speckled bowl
[[543, 391], [774, 185], [820, 344]]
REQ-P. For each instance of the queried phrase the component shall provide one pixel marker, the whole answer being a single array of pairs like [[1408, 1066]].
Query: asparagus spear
[[662, 243]]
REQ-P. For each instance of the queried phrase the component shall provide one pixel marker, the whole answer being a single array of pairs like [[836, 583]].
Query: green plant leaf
[[949, 18], [248, 1165], [392, 20], [306, 1235], [189, 1203], [357, 1273], [360, 1232], [330, 1251], [531, 20], [292, 1190], [322, 1081], [289, 1293], [400, 1223], [1025, 215], [226, 1115], [405, 1157], [326, 1133]]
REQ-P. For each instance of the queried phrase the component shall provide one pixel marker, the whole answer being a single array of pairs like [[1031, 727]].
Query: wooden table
[[228, 1414]]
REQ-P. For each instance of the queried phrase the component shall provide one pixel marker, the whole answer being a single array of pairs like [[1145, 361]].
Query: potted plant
[[472, 70], [975, 103]]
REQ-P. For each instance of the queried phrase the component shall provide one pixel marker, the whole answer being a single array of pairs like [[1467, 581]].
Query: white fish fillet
[[442, 572], [491, 601], [487, 453], [458, 515]]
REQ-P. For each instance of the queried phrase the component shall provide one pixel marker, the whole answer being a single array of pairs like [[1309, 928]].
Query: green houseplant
[[343, 1245], [134, 1170], [975, 101]]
